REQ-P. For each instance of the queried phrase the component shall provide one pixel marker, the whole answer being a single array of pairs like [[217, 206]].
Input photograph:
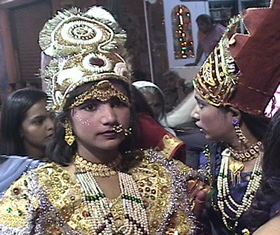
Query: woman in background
[[266, 205], [26, 128]]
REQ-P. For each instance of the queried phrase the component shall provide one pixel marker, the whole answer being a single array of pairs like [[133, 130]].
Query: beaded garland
[[100, 216], [58, 204], [224, 198]]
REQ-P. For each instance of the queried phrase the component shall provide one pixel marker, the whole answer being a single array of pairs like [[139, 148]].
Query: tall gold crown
[[84, 47], [243, 70]]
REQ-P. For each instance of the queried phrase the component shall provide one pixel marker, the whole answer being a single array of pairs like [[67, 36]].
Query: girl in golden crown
[[233, 88], [97, 182]]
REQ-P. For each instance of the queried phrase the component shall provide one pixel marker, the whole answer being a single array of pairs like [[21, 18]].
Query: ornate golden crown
[[243, 70], [218, 76], [84, 47]]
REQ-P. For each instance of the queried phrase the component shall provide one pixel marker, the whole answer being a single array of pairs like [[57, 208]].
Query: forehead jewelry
[[103, 91]]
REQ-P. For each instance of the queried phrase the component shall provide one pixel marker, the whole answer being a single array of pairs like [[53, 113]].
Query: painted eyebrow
[[199, 100]]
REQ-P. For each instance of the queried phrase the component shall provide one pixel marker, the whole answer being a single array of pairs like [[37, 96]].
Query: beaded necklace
[[224, 198], [99, 207]]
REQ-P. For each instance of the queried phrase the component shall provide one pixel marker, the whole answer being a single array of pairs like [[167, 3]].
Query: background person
[[265, 207], [176, 89], [209, 34], [26, 128], [155, 99]]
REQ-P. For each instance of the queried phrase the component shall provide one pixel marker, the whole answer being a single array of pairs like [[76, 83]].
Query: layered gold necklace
[[230, 170]]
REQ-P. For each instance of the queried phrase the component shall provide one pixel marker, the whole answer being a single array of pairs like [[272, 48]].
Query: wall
[[196, 8], [20, 53]]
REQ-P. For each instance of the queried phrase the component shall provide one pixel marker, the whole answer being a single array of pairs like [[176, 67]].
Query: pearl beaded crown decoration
[[84, 47]]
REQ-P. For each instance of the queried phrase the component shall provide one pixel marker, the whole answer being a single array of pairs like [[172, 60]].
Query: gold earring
[[69, 137], [242, 138]]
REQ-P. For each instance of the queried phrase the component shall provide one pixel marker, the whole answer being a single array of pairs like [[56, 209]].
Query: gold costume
[[49, 200]]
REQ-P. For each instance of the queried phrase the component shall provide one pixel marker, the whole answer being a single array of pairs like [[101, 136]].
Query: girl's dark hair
[[257, 125], [13, 114], [158, 92], [269, 190], [140, 103], [59, 151]]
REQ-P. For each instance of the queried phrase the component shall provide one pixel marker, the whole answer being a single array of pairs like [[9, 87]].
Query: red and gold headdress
[[243, 71], [84, 47]]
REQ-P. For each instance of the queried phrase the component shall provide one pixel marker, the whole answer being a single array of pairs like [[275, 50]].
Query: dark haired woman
[[97, 183], [232, 93], [265, 207], [26, 128]]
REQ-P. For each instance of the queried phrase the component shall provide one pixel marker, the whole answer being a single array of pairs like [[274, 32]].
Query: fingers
[[198, 193]]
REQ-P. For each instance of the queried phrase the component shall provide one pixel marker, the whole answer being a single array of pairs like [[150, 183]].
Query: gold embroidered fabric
[[54, 194], [170, 144]]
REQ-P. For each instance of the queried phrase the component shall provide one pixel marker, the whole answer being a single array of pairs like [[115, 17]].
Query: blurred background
[[162, 34]]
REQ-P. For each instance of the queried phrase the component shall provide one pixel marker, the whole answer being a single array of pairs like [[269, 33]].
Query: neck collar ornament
[[97, 169], [84, 47], [243, 70]]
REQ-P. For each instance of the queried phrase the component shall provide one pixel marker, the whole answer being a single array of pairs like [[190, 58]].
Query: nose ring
[[118, 128]]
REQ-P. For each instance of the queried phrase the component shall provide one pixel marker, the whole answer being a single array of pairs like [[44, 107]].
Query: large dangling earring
[[242, 138], [69, 137]]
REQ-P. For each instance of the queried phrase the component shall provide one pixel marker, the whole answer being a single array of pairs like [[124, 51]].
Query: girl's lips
[[49, 136], [109, 133]]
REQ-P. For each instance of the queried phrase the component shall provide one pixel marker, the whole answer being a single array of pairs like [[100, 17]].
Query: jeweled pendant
[[235, 168]]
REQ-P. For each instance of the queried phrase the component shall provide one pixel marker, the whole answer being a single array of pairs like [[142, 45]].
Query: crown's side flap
[[240, 40], [253, 19]]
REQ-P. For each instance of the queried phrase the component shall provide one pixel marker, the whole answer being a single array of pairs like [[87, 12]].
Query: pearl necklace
[[99, 209], [224, 198]]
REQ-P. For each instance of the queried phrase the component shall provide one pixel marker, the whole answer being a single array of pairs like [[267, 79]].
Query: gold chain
[[97, 169]]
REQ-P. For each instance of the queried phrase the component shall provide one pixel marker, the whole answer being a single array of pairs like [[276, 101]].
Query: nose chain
[[119, 129]]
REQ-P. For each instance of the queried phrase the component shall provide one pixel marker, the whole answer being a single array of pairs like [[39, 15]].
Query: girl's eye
[[38, 121], [89, 107], [117, 103], [200, 105]]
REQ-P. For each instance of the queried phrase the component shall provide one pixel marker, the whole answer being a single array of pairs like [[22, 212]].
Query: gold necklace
[[97, 169], [251, 153], [237, 158]]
